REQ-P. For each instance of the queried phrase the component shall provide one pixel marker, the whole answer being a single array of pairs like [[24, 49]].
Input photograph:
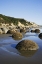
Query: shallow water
[[10, 55]]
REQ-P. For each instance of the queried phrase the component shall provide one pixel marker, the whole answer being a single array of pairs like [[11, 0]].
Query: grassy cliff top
[[8, 19]]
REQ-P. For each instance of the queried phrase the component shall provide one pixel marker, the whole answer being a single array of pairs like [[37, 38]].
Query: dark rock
[[32, 30], [40, 35]]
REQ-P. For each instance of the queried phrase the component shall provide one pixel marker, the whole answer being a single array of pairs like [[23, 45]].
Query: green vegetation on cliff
[[7, 19]]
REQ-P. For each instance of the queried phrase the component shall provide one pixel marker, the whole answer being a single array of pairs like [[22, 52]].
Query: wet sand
[[10, 55]]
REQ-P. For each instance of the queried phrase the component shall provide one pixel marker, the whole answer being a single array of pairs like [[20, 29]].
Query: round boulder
[[27, 45], [37, 31], [17, 36], [40, 35]]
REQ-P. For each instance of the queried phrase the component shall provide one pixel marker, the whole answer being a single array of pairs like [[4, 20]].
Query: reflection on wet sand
[[27, 53], [31, 34], [16, 38]]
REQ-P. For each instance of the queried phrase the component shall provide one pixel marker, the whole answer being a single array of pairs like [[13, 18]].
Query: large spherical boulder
[[40, 35], [17, 36], [37, 31], [27, 45]]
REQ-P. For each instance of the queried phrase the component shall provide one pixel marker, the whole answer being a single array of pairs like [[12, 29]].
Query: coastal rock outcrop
[[27, 45]]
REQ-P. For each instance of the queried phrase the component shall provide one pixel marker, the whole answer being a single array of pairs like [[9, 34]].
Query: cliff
[[16, 21]]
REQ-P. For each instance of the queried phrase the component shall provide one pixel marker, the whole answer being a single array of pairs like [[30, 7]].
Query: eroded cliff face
[[16, 21]]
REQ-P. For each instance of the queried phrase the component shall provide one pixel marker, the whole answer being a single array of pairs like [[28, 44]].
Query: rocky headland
[[14, 24]]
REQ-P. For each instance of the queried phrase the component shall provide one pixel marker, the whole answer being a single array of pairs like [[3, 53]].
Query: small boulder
[[27, 45], [37, 31], [17, 36]]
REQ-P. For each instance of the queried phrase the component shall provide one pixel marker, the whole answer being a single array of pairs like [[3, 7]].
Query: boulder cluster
[[36, 31], [17, 34]]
